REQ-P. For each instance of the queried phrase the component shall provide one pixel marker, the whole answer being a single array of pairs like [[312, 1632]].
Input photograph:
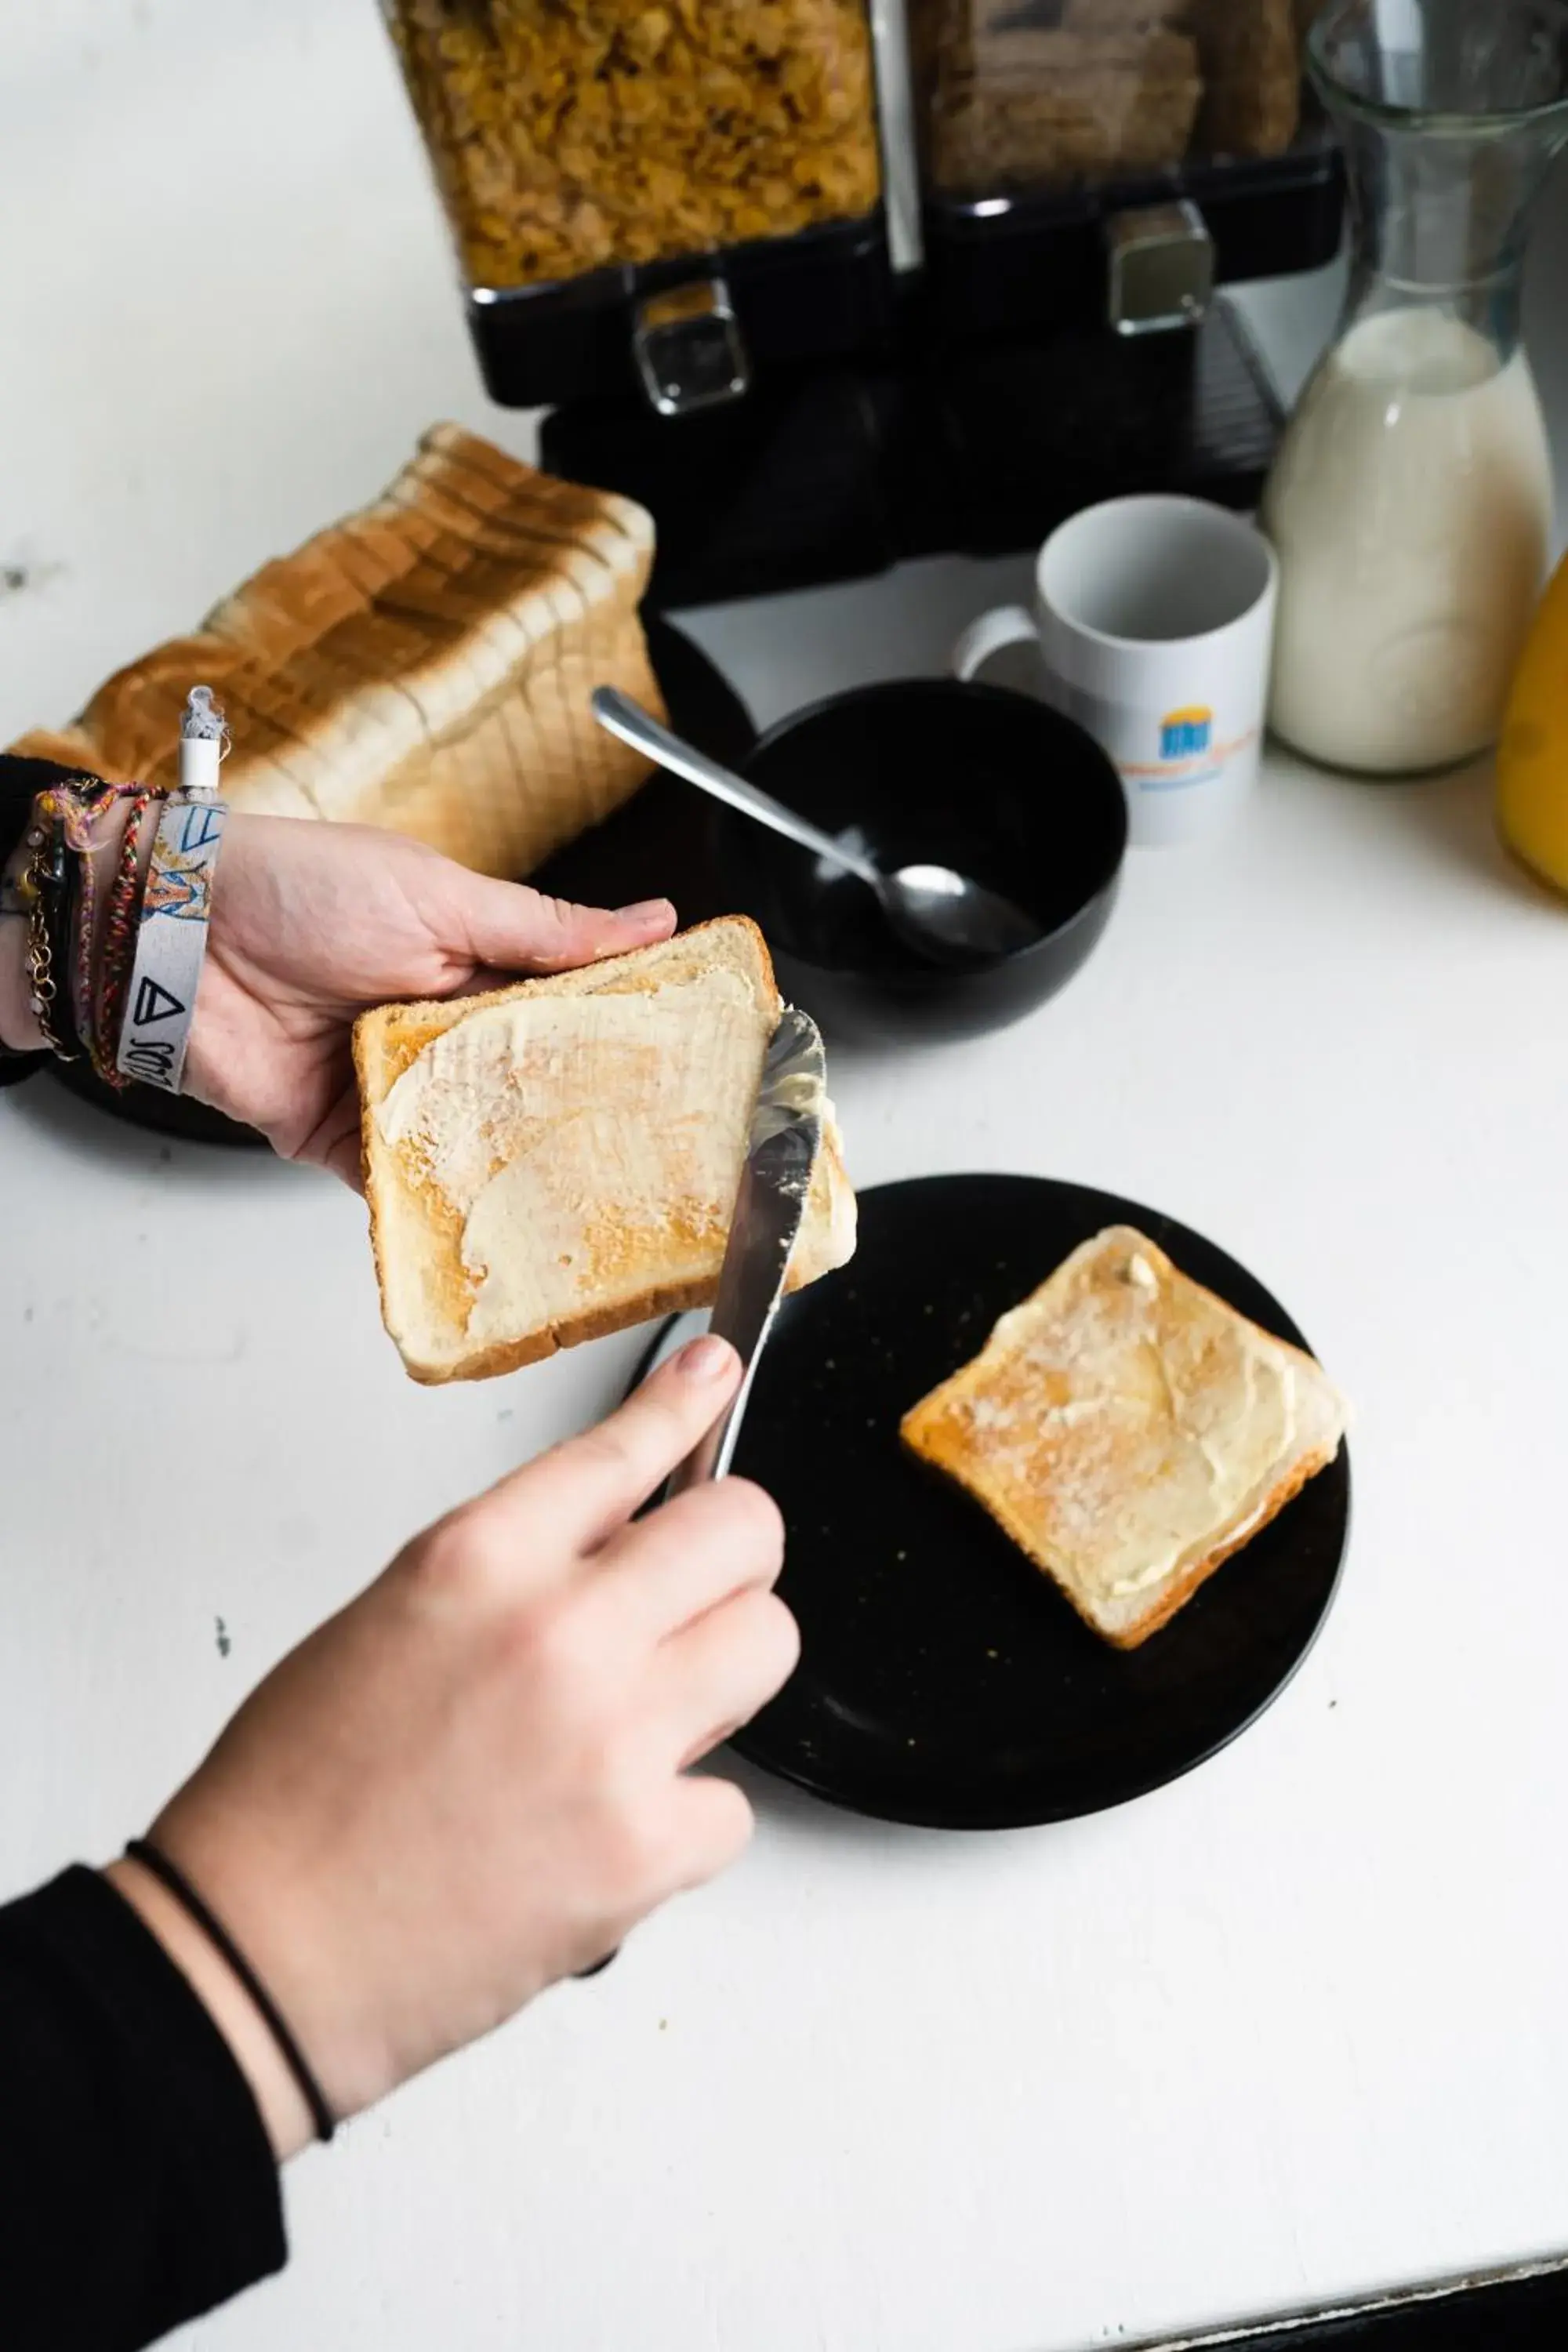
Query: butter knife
[[775, 1184]]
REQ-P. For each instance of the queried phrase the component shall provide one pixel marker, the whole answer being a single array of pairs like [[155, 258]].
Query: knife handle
[[710, 1457], [714, 1451]]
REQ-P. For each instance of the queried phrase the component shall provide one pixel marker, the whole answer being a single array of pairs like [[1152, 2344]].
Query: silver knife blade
[[775, 1183]]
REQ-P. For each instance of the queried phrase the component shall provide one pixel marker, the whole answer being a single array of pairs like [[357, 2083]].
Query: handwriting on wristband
[[171, 942]]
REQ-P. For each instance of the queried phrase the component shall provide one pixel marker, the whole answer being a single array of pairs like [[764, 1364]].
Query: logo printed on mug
[[1186, 734]]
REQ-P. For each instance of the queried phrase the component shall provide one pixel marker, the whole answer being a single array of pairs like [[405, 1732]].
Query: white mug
[[1153, 628]]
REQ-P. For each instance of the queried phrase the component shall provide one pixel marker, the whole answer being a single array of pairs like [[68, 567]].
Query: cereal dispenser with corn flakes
[[655, 199]]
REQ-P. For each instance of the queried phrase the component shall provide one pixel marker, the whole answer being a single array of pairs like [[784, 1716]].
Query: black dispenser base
[[837, 473]]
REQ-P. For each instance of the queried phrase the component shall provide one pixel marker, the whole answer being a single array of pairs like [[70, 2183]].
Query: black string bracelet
[[176, 1883]]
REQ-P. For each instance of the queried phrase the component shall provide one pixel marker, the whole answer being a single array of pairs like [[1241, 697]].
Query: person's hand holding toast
[[311, 923]]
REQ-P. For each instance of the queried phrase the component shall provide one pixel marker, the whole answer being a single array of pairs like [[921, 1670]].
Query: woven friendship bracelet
[[118, 943], [81, 829], [171, 942]]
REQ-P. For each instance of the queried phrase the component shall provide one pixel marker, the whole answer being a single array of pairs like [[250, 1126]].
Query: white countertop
[[1291, 2027]]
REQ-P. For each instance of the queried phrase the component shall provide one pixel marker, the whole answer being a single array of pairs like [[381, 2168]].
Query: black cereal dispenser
[[672, 222], [653, 202]]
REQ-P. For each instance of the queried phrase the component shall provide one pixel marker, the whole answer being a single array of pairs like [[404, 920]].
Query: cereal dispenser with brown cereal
[[1138, 119]]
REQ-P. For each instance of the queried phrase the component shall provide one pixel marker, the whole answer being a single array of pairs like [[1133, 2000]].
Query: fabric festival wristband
[[171, 942]]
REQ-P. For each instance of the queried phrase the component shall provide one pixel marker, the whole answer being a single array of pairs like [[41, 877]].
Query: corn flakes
[[568, 135]]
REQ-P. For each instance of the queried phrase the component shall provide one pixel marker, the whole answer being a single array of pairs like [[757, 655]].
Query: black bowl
[[927, 770]]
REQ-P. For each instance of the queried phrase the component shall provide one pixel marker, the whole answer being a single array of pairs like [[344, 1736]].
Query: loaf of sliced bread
[[560, 1160], [424, 665], [1130, 1431]]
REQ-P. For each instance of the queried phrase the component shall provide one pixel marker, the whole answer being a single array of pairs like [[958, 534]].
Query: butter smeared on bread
[[424, 665], [1130, 1431], [560, 1160]]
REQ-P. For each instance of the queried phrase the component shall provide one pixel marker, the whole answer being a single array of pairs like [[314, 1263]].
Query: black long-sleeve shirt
[[137, 2184]]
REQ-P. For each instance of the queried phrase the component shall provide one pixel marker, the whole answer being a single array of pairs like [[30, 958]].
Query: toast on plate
[[1130, 1431]]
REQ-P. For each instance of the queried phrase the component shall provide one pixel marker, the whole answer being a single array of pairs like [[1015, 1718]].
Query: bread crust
[[928, 1446], [423, 665], [948, 1445]]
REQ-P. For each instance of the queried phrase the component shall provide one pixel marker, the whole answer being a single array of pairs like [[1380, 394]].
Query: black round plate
[[944, 1680], [646, 850]]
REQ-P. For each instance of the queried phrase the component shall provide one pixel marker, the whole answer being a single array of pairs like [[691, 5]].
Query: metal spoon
[[942, 915]]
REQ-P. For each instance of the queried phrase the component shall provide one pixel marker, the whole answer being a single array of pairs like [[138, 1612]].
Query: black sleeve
[[137, 2184], [20, 780]]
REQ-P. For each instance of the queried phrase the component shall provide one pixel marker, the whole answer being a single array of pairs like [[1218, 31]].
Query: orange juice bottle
[[1532, 758]]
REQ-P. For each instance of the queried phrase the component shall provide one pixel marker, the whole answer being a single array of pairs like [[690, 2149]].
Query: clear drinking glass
[[1411, 502]]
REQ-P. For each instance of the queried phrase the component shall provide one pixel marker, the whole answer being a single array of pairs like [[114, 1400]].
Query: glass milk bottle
[[1411, 502]]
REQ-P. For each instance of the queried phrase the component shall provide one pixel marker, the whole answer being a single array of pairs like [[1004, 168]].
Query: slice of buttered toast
[[1130, 1431], [560, 1160]]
